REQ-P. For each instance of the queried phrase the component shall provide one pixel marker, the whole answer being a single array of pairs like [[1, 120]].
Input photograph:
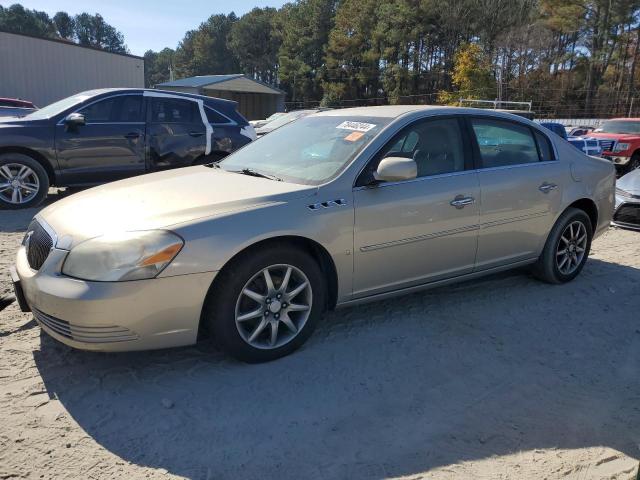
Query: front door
[[417, 231], [177, 134], [521, 186], [110, 146]]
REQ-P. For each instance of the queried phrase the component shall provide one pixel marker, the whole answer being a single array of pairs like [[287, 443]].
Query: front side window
[[619, 126], [436, 145], [120, 109], [503, 143], [174, 110], [310, 150]]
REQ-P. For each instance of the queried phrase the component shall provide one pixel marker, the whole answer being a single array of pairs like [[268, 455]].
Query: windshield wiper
[[254, 173]]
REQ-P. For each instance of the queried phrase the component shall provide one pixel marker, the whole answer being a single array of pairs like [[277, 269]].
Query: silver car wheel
[[18, 183], [273, 306], [571, 247]]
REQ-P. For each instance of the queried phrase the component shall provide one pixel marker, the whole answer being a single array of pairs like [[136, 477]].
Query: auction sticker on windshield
[[356, 126]]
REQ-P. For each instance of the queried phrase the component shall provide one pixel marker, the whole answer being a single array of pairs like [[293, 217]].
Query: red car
[[16, 102], [620, 142]]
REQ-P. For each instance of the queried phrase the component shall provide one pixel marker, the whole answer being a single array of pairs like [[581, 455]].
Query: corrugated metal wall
[[253, 106], [44, 71]]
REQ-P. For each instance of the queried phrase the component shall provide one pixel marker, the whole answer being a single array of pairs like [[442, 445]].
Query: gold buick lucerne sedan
[[340, 207]]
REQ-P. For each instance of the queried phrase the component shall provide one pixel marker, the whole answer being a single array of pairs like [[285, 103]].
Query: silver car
[[627, 212], [337, 208]]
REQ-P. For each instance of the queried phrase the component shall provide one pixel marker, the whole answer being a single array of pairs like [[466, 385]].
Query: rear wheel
[[24, 183], [566, 249], [265, 304]]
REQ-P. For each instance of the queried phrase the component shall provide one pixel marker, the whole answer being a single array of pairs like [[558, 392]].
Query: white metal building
[[44, 70]]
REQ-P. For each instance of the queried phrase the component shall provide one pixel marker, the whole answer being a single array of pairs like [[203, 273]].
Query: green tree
[[353, 53], [305, 27], [18, 19], [255, 42], [157, 66], [65, 26], [92, 30]]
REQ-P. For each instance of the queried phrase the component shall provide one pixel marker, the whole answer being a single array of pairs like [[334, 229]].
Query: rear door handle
[[461, 201], [196, 134], [547, 187], [132, 135]]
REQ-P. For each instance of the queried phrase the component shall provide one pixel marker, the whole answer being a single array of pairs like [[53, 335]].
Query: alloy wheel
[[18, 183], [273, 306], [572, 247]]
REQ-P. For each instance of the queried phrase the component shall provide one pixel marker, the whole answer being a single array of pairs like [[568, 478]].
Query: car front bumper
[[113, 316], [627, 212], [616, 159]]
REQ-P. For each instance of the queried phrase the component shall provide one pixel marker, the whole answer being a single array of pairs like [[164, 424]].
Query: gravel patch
[[500, 378]]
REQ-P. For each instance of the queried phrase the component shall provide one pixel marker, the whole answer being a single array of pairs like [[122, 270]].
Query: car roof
[[101, 91], [395, 111]]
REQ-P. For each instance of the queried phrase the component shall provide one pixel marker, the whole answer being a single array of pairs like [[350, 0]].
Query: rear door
[[110, 146], [521, 190], [177, 134]]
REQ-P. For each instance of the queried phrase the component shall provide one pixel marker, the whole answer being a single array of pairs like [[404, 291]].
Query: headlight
[[623, 193], [123, 256], [621, 147]]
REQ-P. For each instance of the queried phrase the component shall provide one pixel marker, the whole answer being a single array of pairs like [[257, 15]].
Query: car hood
[[630, 182], [621, 137], [160, 200]]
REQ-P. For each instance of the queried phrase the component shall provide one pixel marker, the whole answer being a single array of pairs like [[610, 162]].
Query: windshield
[[60, 106], [309, 151], [619, 126]]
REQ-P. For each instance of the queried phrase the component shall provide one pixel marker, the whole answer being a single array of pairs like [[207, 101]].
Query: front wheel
[[566, 249], [24, 183], [266, 304]]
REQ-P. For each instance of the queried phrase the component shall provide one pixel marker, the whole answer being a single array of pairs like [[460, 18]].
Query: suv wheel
[[567, 248], [266, 304], [24, 183]]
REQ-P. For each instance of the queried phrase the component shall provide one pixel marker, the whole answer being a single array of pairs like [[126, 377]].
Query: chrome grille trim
[[101, 334], [607, 145], [38, 243]]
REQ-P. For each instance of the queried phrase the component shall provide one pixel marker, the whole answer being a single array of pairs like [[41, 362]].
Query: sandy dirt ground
[[500, 378]]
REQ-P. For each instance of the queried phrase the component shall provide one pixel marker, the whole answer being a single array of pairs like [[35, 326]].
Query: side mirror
[[396, 169], [74, 120]]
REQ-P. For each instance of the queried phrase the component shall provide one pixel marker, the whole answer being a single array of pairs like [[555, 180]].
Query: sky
[[149, 24]]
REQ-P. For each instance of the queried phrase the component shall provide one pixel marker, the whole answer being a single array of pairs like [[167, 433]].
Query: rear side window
[[544, 145], [504, 143], [121, 109], [215, 117], [174, 110]]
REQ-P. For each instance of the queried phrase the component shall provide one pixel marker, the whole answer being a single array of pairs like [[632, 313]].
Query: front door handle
[[196, 134], [132, 135], [547, 187], [461, 201]]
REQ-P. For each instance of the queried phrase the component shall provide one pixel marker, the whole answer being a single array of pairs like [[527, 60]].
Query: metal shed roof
[[234, 82]]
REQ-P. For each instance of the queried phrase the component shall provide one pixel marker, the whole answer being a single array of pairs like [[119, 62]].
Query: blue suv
[[104, 135]]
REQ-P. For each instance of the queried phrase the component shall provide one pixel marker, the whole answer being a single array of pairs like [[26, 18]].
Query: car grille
[[101, 334], [628, 214], [38, 244], [607, 145]]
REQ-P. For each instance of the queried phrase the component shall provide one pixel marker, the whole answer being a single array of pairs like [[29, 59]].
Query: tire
[[227, 301], [33, 186], [634, 163], [550, 270]]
